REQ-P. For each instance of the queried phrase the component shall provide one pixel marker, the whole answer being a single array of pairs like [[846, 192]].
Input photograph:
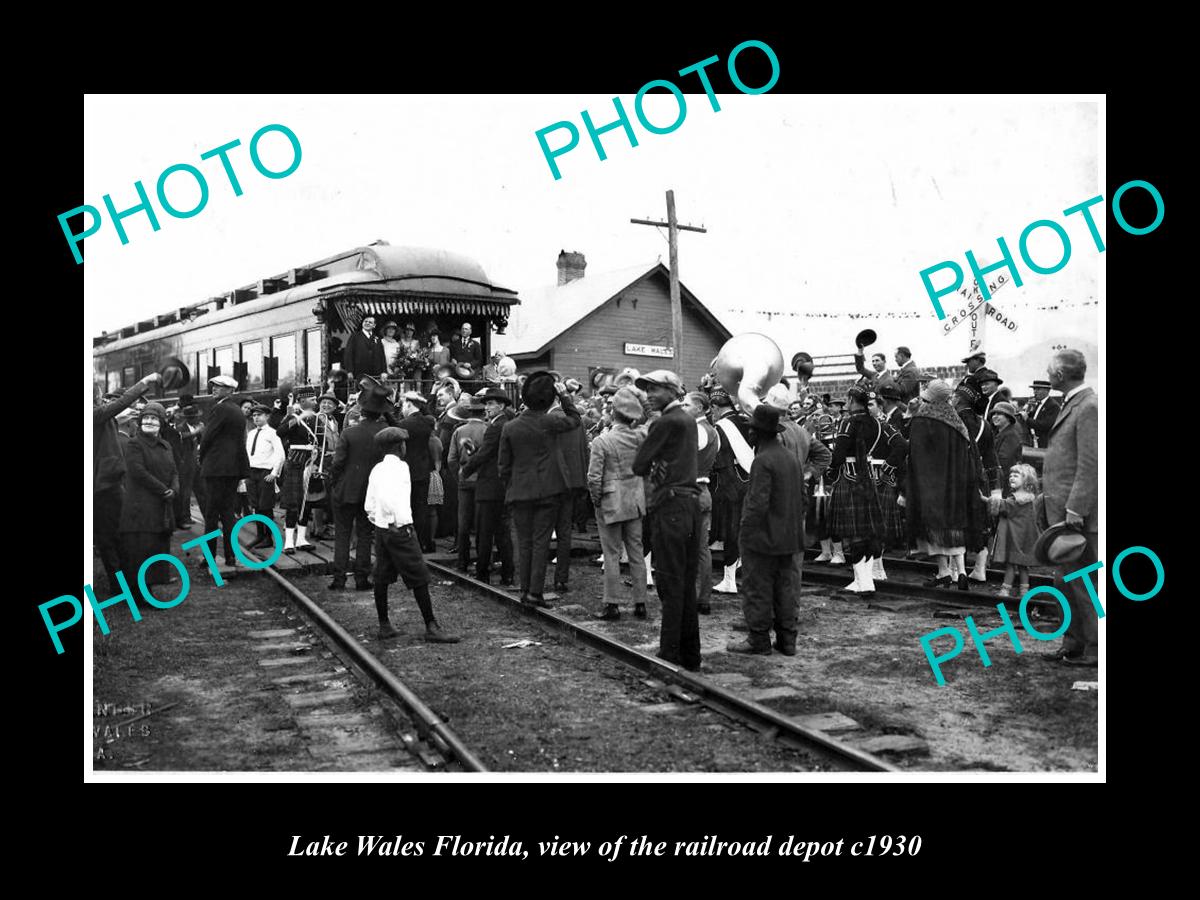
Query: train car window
[[127, 376], [312, 356], [114, 381], [283, 348], [252, 360], [199, 371], [223, 360]]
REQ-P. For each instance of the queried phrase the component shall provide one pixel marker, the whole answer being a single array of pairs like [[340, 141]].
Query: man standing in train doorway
[[669, 456], [223, 461]]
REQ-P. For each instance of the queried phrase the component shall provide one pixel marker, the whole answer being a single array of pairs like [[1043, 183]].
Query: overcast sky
[[829, 205]]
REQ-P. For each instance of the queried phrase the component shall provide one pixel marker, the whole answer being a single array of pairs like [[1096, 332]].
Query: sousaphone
[[747, 366]]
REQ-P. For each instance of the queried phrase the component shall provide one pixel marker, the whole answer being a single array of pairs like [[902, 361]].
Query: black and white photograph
[[707, 432]]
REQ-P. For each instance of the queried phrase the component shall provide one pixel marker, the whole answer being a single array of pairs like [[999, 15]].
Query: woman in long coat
[[943, 497], [148, 513], [619, 497]]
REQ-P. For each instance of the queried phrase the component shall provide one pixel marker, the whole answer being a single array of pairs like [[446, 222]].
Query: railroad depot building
[[587, 325]]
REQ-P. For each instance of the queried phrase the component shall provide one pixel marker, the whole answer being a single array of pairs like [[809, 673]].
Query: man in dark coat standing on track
[[356, 455], [1041, 412], [419, 427], [772, 539], [223, 461], [529, 461], [668, 456], [493, 517], [108, 474]]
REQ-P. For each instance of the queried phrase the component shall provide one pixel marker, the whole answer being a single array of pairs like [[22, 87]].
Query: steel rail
[[384, 677], [753, 713]]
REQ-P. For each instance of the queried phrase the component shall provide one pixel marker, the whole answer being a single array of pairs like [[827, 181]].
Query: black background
[[971, 833]]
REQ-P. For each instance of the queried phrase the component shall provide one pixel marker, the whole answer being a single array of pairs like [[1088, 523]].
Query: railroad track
[[438, 747], [683, 691], [689, 687]]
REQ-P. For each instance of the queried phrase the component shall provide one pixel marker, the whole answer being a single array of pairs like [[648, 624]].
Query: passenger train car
[[290, 328]]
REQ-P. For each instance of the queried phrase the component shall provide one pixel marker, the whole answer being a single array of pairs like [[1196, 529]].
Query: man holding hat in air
[[223, 461], [530, 461], [669, 457], [397, 553]]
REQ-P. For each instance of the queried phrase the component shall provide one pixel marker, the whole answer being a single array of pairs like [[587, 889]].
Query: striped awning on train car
[[351, 310]]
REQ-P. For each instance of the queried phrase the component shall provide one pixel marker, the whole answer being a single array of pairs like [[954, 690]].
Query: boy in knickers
[[397, 554]]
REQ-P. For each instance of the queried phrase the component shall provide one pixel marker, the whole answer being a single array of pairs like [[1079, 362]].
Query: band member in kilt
[[888, 455], [823, 429], [854, 512]]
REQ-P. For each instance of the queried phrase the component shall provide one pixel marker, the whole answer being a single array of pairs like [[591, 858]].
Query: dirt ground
[[232, 684], [552, 706], [1020, 714]]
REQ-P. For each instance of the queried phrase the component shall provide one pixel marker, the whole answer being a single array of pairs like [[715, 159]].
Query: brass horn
[[747, 366]]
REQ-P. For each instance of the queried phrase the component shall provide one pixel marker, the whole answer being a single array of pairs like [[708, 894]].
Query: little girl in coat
[[1016, 531]]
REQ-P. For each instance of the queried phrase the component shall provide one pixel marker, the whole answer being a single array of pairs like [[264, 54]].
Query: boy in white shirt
[[388, 505]]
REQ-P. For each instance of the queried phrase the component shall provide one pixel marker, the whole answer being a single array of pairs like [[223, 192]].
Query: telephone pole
[[673, 229]]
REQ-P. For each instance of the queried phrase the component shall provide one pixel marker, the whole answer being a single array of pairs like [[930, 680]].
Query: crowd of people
[[905, 462]]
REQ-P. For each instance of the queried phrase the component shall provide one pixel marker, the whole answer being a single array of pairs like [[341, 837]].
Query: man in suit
[[772, 540], [875, 378], [1041, 412], [467, 351], [356, 455], [908, 376], [493, 517], [536, 474], [1070, 489], [419, 426], [223, 461], [364, 351]]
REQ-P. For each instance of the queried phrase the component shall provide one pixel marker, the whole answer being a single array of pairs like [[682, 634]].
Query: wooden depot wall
[[640, 314]]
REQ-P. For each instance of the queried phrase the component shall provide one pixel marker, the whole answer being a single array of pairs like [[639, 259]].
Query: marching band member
[[731, 478], [888, 454], [854, 512]]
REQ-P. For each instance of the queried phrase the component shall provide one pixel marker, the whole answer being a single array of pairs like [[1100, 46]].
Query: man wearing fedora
[[875, 378], [1069, 487], [355, 457], [464, 442], [223, 461], [419, 426], [529, 460], [668, 457], [493, 517], [1041, 412], [772, 539]]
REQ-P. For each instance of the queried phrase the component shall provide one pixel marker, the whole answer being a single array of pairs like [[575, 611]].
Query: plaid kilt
[[854, 513], [292, 491], [894, 534]]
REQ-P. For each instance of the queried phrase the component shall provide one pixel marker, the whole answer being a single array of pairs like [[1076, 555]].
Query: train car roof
[[376, 270]]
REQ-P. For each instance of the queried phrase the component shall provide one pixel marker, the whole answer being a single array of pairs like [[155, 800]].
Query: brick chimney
[[570, 266]]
